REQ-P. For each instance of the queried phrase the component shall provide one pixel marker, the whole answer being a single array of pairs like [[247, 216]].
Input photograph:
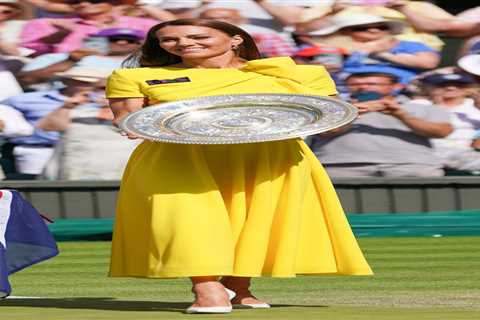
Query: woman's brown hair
[[151, 54]]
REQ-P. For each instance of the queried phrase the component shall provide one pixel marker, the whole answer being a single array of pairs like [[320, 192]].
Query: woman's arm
[[121, 107]]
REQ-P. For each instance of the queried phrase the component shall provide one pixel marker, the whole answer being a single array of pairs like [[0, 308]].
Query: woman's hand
[[121, 107]]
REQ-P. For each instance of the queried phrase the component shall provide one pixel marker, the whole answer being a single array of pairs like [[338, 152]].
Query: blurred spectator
[[452, 92], [13, 123], [463, 25], [8, 82], [90, 148], [471, 61], [320, 15], [144, 9], [104, 50], [269, 42], [31, 153], [375, 45], [390, 138], [10, 29], [67, 34]]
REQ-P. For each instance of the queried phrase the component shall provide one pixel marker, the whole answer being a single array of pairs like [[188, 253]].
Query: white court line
[[20, 297]]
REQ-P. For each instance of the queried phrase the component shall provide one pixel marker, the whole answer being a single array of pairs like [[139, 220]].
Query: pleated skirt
[[260, 209]]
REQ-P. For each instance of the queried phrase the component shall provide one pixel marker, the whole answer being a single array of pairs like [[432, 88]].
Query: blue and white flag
[[24, 237]]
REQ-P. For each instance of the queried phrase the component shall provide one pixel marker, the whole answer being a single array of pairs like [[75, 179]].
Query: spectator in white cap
[[374, 43], [104, 50], [90, 147], [317, 15], [452, 93]]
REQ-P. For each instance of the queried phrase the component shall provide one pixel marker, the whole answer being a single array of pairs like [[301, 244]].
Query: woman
[[229, 211]]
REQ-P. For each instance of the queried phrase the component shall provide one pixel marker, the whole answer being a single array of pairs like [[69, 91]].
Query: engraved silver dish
[[240, 118]]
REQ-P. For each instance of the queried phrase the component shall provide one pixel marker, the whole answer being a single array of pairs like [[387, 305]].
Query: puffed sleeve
[[312, 76], [120, 84]]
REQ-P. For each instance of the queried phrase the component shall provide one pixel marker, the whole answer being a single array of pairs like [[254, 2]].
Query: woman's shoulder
[[141, 72], [278, 62]]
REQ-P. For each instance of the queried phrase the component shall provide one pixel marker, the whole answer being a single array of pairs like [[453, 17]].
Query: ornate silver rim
[[163, 122]]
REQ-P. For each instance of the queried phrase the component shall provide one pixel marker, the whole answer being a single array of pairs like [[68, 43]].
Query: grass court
[[415, 278]]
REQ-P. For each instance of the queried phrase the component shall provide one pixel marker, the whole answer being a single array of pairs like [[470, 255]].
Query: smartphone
[[363, 96], [99, 44]]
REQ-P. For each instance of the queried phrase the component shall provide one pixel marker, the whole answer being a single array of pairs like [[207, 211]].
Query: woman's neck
[[214, 62]]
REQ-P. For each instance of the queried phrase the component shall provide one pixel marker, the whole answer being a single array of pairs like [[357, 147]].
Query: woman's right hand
[[116, 123], [121, 107]]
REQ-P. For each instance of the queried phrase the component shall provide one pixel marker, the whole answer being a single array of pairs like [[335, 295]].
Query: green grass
[[415, 278]]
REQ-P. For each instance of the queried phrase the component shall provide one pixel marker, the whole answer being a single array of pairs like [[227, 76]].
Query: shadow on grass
[[110, 304], [96, 304]]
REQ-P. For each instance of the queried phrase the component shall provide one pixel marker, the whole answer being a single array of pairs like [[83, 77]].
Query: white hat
[[85, 74], [342, 21], [470, 63]]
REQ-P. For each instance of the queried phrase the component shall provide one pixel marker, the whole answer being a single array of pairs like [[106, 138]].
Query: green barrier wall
[[462, 223]]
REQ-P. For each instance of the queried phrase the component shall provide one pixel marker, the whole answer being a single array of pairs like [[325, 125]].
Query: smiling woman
[[221, 214]]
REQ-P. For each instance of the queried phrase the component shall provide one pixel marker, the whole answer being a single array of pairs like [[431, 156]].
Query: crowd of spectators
[[421, 116]]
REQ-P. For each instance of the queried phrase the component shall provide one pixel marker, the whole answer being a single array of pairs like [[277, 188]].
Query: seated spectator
[[375, 45], [269, 42], [10, 29], [319, 16], [390, 138], [90, 148], [32, 152], [451, 92], [108, 54], [67, 34]]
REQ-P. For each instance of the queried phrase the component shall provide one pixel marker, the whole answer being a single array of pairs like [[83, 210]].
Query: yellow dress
[[259, 209]]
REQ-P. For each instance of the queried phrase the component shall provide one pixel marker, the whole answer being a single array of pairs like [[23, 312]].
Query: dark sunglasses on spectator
[[382, 27], [118, 39]]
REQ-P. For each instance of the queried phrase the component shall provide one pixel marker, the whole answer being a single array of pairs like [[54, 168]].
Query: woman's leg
[[241, 286], [209, 292]]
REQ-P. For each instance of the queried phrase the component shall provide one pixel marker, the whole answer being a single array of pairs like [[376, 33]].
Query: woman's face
[[369, 32], [195, 42]]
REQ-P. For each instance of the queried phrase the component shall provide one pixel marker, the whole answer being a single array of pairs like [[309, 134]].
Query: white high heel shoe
[[225, 309], [232, 294]]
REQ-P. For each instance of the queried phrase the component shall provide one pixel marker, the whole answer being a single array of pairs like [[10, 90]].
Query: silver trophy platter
[[240, 118]]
